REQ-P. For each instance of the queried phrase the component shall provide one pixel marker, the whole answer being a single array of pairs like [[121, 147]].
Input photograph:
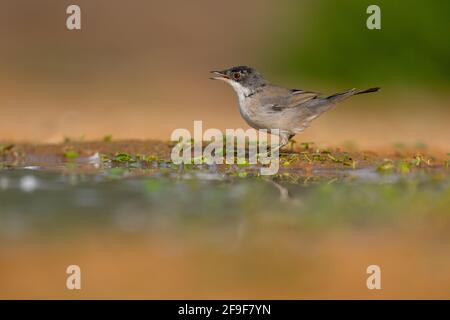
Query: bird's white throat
[[240, 90]]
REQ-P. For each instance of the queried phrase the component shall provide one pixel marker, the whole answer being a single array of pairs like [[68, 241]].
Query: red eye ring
[[236, 75]]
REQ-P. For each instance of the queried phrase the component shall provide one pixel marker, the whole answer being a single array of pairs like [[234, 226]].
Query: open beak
[[219, 76]]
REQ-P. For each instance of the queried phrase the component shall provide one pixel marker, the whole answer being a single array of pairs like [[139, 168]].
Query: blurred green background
[[332, 44]]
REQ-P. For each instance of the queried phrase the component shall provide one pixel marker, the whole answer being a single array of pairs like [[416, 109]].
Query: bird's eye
[[236, 75]]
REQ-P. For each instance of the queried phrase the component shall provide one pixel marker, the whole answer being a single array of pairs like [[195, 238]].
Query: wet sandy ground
[[299, 155]]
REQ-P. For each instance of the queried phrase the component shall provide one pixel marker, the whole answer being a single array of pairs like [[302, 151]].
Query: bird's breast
[[248, 108]]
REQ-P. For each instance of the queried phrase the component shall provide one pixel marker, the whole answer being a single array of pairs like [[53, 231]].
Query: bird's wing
[[287, 99], [277, 99], [299, 97]]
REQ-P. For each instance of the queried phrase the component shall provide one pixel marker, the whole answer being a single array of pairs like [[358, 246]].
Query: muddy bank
[[304, 156]]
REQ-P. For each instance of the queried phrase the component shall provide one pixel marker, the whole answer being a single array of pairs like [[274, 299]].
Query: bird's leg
[[292, 142], [284, 140]]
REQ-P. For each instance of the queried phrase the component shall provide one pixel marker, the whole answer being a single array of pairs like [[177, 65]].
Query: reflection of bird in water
[[284, 193]]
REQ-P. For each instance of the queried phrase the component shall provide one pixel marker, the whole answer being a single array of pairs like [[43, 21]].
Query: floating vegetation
[[71, 154], [404, 167], [123, 157], [387, 166], [420, 159], [242, 174], [242, 162], [304, 159]]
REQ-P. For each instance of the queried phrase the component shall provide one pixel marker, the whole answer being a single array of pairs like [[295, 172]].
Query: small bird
[[266, 106]]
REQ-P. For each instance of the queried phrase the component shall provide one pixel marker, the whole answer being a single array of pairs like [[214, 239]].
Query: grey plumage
[[266, 106]]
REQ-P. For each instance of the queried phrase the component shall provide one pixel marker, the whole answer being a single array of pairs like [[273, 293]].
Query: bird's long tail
[[318, 106], [347, 94]]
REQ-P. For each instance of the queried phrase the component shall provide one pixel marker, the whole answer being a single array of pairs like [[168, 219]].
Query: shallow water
[[200, 231]]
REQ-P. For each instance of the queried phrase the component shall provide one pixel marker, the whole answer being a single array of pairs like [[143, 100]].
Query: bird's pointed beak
[[219, 75]]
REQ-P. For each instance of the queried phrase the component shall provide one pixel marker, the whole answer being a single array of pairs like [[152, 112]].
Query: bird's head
[[241, 76]]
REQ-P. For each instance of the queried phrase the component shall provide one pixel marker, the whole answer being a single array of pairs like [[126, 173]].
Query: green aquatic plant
[[286, 164], [417, 160], [334, 159], [242, 162], [318, 156], [346, 159], [105, 157], [151, 158], [242, 174], [386, 167], [404, 167], [71, 154], [420, 159], [389, 166], [306, 156], [287, 161], [123, 157]]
